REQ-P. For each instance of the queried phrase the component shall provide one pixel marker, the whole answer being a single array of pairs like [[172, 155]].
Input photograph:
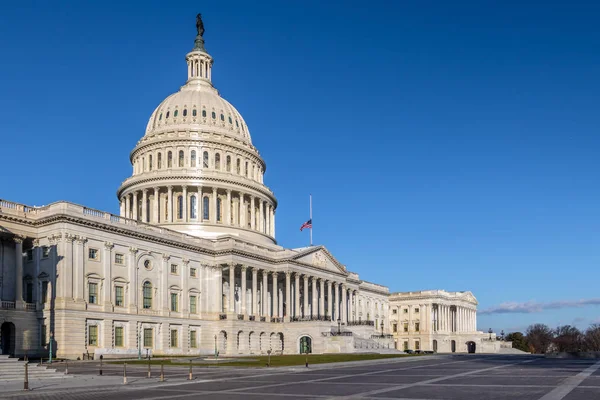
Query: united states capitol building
[[191, 264]]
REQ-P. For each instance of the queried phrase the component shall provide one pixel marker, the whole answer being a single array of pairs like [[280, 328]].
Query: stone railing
[[251, 318], [240, 317], [30, 306], [361, 323], [276, 319], [8, 305], [263, 319], [336, 333], [310, 318], [222, 316], [147, 311], [384, 336]]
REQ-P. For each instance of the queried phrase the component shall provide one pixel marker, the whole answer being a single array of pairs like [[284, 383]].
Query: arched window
[[228, 163], [193, 205], [249, 216], [205, 159], [143, 164], [150, 162], [237, 166], [159, 161], [185, 112], [205, 210], [217, 161], [214, 115], [167, 116], [181, 158], [246, 169], [180, 207], [169, 159], [193, 159], [175, 113], [147, 289], [160, 117], [230, 120], [222, 118], [218, 209], [204, 113], [194, 112]]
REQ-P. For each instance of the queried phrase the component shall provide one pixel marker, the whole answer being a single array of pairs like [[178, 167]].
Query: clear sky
[[447, 145]]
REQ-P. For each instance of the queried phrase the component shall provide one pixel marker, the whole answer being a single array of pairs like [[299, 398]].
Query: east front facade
[[190, 266]]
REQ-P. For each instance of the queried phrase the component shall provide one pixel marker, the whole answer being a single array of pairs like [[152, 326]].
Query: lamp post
[[490, 332], [216, 353], [382, 328], [140, 343], [50, 352], [502, 334], [339, 326]]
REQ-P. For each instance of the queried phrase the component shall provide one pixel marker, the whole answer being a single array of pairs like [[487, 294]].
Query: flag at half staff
[[306, 225]]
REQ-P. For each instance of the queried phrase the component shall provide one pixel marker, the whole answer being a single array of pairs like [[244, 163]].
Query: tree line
[[541, 339]]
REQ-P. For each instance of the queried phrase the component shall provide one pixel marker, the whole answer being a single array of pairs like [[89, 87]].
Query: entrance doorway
[[7, 338], [305, 345], [453, 345], [471, 347], [435, 346]]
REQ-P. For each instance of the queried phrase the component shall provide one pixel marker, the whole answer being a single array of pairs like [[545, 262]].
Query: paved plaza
[[465, 377]]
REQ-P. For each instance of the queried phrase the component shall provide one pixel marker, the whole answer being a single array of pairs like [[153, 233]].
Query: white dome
[[195, 106]]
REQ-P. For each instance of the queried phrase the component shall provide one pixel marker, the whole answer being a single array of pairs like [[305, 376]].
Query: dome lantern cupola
[[195, 170]]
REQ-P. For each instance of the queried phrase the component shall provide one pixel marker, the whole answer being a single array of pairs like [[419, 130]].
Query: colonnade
[[193, 204], [454, 318], [293, 295]]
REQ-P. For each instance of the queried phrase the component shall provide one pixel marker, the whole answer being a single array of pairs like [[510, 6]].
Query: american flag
[[306, 225]]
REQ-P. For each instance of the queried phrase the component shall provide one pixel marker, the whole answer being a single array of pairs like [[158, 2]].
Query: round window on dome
[[204, 113], [185, 112], [214, 115], [194, 112], [175, 113], [167, 116]]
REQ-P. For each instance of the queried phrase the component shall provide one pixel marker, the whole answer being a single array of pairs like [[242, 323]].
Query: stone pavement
[[458, 377]]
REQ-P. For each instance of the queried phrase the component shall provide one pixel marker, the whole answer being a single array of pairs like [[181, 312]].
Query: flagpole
[[311, 219]]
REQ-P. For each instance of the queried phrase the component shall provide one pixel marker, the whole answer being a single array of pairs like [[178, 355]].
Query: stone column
[[19, 270], [252, 214], [133, 284], [254, 290], [155, 212], [273, 225], [261, 220], [344, 313], [271, 220], [275, 296], [321, 297], [288, 295], [107, 263], [164, 284], [219, 273], [242, 213], [144, 205], [243, 280], [127, 206], [232, 288], [214, 205], [336, 308], [135, 205], [329, 311], [265, 294], [79, 269], [170, 203], [313, 301], [122, 207], [185, 204], [228, 222], [305, 297], [350, 306], [297, 295]]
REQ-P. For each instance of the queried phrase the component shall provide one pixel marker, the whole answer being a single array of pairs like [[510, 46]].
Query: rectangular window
[[406, 311], [44, 292], [174, 338], [29, 292], [193, 343], [147, 337], [406, 327], [30, 255], [405, 346], [119, 258], [93, 293], [174, 302], [93, 335], [416, 310], [93, 254], [43, 338], [193, 304], [417, 326], [45, 251], [119, 296], [118, 336], [395, 327], [174, 269], [193, 272], [394, 311], [417, 345]]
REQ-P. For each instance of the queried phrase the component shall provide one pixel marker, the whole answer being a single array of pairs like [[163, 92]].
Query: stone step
[[20, 378]]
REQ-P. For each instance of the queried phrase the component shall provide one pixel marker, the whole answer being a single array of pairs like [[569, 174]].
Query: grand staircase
[[12, 369]]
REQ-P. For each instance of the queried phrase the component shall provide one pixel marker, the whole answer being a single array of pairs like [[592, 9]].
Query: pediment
[[320, 258]]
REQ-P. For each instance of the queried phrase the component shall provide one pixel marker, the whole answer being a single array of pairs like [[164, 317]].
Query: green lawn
[[276, 361]]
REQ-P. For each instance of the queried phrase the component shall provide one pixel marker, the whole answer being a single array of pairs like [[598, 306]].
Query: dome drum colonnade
[[196, 170]]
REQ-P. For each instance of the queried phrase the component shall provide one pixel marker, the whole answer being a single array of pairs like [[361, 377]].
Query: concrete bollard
[[191, 377], [149, 370], [26, 382], [162, 371], [66, 367], [124, 373], [306, 363], [101, 357]]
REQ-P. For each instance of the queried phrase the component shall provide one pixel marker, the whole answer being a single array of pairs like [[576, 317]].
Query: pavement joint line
[[408, 385], [571, 383]]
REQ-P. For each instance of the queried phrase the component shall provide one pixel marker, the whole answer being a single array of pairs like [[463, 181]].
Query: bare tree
[[592, 338], [567, 338], [539, 338]]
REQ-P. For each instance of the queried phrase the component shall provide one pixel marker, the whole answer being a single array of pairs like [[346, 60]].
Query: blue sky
[[449, 145]]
